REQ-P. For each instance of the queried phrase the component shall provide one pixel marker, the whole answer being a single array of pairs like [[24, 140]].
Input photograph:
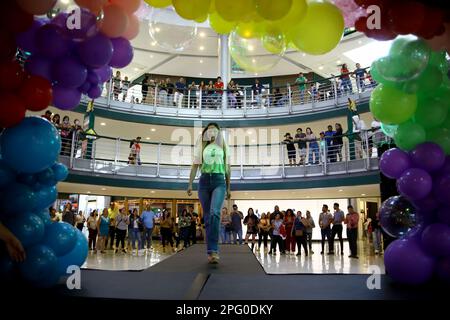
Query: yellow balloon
[[294, 17], [219, 25], [192, 9], [273, 10], [320, 31], [212, 7], [251, 29], [234, 10], [202, 19], [159, 3]]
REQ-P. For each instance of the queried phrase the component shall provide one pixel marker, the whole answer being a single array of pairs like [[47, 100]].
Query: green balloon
[[389, 130], [431, 112], [439, 60], [430, 80], [409, 135], [441, 136], [391, 105], [398, 46]]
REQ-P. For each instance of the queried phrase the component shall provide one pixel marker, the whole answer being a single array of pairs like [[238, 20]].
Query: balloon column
[[75, 59], [314, 27], [27, 189]]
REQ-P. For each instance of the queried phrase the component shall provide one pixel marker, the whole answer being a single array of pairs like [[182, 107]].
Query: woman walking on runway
[[211, 155]]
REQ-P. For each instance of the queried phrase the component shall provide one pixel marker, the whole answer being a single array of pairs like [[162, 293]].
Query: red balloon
[[12, 75], [16, 20], [12, 110], [36, 93], [8, 46], [361, 24], [406, 16], [433, 24]]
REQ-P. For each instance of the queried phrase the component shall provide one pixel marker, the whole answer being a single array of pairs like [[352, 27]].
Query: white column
[[224, 66]]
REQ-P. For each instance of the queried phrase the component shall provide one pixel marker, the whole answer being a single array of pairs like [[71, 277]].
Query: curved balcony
[[167, 166], [274, 105]]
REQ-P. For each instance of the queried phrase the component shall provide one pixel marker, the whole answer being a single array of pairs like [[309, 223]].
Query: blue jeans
[[211, 192], [148, 237], [326, 233], [236, 234], [346, 85], [225, 236], [184, 234], [313, 149], [133, 235]]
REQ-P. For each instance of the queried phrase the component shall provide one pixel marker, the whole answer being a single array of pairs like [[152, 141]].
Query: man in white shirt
[[325, 220], [360, 132]]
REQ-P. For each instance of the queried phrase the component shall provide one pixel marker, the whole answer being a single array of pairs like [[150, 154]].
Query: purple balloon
[[69, 72], [441, 189], [406, 262], [96, 52], [95, 92], [27, 40], [88, 26], [445, 169], [104, 73], [39, 66], [415, 184], [123, 53], [443, 215], [394, 162], [66, 98], [397, 216], [427, 204], [443, 269], [436, 239], [428, 156], [51, 41], [426, 217], [93, 78], [84, 88]]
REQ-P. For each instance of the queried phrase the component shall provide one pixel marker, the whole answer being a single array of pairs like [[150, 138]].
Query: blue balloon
[[40, 263], [44, 198], [47, 178], [28, 179], [60, 237], [44, 215], [75, 257], [17, 197], [6, 174], [60, 171], [28, 228], [31, 146]]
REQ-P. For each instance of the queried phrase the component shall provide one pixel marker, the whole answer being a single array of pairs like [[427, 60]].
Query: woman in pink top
[[352, 221]]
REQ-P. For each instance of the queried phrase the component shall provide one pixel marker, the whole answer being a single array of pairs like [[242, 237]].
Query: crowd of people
[[287, 232], [328, 146], [169, 93]]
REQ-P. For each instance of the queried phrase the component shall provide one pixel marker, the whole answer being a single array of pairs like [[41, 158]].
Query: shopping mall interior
[[304, 157]]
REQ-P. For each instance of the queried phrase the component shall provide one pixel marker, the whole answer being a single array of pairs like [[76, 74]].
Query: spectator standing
[[193, 95], [309, 230], [299, 233], [47, 115], [263, 228], [80, 220], [135, 152], [93, 231], [289, 220], [194, 222], [113, 212], [360, 75], [116, 85], [251, 221], [257, 92], [236, 222], [376, 230], [56, 120], [352, 221], [325, 220], [148, 220], [313, 147], [68, 215], [145, 86], [66, 130], [184, 224], [122, 222], [338, 220], [125, 86], [103, 229], [162, 95], [225, 226], [218, 88], [180, 92], [301, 82], [300, 138], [346, 83], [290, 147], [135, 229], [170, 92], [167, 226], [359, 131], [338, 143], [329, 134], [231, 93]]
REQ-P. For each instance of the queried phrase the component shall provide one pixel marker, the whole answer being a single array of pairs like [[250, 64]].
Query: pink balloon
[[351, 11], [115, 21], [130, 6], [133, 28], [36, 7]]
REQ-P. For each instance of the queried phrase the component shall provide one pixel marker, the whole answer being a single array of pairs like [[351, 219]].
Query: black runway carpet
[[239, 276]]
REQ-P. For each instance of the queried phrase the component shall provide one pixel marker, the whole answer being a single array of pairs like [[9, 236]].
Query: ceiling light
[[250, 48], [103, 189], [103, 124], [151, 56], [88, 192], [304, 54], [253, 140], [136, 69], [256, 74], [339, 62], [157, 29], [65, 1], [154, 43], [340, 190], [321, 68], [153, 129], [202, 34], [363, 194], [254, 60], [249, 132], [202, 48], [152, 191], [200, 74], [359, 42], [253, 197], [201, 61], [148, 138]]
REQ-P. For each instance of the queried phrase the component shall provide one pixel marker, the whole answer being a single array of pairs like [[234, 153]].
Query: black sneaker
[[330, 253], [321, 252]]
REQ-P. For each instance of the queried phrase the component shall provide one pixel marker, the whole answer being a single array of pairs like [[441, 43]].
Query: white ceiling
[[318, 193]]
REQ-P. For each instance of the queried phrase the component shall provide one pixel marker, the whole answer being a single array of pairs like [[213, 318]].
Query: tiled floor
[[277, 264]]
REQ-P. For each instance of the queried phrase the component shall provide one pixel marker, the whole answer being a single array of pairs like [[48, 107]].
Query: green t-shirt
[[301, 81], [213, 159]]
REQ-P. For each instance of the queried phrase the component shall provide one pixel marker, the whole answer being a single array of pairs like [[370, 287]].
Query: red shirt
[[344, 73], [218, 86]]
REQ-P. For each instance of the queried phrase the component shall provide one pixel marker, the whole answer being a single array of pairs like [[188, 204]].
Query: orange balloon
[[36, 7], [115, 21], [133, 28], [130, 6], [95, 6]]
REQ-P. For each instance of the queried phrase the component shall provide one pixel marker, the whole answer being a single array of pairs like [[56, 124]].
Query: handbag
[[298, 233]]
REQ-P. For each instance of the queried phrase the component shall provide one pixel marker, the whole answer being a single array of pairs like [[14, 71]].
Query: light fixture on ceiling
[[304, 54], [253, 141], [250, 48], [103, 189], [152, 191], [202, 48], [200, 74], [136, 69], [321, 68], [89, 192], [249, 132], [256, 74], [254, 60], [363, 194], [359, 42], [154, 43], [202, 34], [157, 29], [148, 138], [339, 62], [153, 129], [340, 190], [253, 197], [103, 124], [151, 56], [201, 61], [65, 1]]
